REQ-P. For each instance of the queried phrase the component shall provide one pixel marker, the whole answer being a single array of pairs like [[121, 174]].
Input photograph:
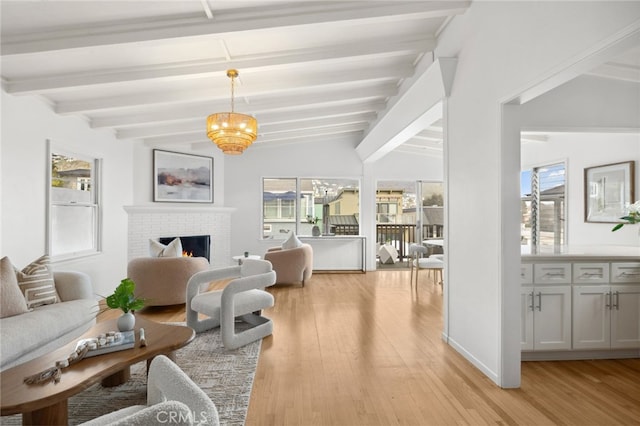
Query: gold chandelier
[[231, 131]]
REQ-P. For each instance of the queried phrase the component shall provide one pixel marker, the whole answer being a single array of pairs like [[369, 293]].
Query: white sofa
[[32, 334]]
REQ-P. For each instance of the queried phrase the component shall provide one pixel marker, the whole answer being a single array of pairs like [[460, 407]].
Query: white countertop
[[597, 252]]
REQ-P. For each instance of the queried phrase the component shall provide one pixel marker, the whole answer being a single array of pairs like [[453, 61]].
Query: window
[[278, 206], [73, 216], [543, 206], [333, 205]]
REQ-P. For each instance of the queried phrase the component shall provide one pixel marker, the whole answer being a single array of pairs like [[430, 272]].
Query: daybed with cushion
[[29, 329]]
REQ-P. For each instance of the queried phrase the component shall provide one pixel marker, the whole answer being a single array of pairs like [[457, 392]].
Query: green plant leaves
[[123, 298]]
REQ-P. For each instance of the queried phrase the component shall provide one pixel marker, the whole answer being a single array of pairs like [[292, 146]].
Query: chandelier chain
[[233, 86]]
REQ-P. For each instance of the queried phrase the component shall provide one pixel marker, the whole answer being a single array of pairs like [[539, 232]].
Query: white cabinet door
[[625, 316], [591, 317], [526, 322], [552, 318]]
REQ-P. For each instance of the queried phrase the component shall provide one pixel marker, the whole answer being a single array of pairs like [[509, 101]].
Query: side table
[[242, 257]]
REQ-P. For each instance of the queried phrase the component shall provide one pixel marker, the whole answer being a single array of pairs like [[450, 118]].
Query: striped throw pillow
[[36, 283]]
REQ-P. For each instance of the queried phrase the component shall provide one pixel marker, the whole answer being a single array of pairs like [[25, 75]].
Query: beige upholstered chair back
[[163, 280], [293, 265]]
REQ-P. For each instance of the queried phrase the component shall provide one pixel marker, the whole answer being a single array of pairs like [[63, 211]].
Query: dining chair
[[419, 261]]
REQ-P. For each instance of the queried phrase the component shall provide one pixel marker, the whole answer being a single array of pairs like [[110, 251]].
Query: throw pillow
[[173, 249], [11, 299], [291, 242], [36, 283]]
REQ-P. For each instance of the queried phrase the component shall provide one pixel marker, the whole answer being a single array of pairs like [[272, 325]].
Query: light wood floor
[[364, 349]]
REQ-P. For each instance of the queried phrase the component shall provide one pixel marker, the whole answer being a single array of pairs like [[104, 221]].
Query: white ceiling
[[154, 70]]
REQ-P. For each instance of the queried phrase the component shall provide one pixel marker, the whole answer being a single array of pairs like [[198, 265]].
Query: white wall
[[587, 150], [503, 49], [586, 103], [26, 124]]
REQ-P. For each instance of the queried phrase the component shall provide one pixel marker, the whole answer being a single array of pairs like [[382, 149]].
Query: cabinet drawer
[[628, 272], [526, 273], [590, 273], [552, 273]]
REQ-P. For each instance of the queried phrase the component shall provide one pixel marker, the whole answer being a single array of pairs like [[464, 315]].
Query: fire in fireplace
[[195, 245]]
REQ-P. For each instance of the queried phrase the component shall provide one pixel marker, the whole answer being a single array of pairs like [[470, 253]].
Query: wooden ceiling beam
[[303, 85], [318, 57], [227, 22]]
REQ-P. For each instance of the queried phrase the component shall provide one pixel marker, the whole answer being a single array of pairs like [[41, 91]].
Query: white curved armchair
[[243, 297], [170, 392]]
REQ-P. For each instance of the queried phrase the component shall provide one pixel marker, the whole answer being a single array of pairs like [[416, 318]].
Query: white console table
[[337, 252]]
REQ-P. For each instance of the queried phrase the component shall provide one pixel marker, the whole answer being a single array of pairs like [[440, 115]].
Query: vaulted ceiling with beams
[[154, 70]]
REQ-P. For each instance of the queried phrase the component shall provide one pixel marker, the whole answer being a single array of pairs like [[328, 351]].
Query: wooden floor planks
[[366, 349]]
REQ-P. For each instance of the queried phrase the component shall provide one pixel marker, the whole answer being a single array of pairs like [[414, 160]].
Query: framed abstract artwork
[[182, 178], [608, 191]]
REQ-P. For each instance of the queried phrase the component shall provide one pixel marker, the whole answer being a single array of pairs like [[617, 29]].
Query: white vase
[[126, 322]]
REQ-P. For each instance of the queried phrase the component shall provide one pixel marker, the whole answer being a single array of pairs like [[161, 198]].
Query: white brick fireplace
[[155, 221]]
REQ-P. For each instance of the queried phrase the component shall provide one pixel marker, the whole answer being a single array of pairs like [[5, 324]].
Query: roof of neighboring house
[[433, 215], [76, 168], [289, 195], [345, 219], [555, 192]]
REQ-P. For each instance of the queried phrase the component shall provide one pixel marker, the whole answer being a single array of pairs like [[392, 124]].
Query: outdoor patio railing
[[399, 236]]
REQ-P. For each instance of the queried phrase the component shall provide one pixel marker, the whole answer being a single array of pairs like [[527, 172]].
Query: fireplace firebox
[[194, 245]]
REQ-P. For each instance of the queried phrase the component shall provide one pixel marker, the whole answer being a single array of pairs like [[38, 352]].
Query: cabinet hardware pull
[[616, 303], [532, 307], [554, 274], [607, 300], [591, 274], [540, 301], [628, 274]]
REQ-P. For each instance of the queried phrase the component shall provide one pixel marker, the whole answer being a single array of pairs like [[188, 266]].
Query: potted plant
[[124, 299]]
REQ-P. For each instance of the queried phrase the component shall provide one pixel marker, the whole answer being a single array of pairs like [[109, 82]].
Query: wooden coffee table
[[46, 404]]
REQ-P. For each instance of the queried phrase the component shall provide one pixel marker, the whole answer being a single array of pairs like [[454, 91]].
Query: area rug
[[226, 376]]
